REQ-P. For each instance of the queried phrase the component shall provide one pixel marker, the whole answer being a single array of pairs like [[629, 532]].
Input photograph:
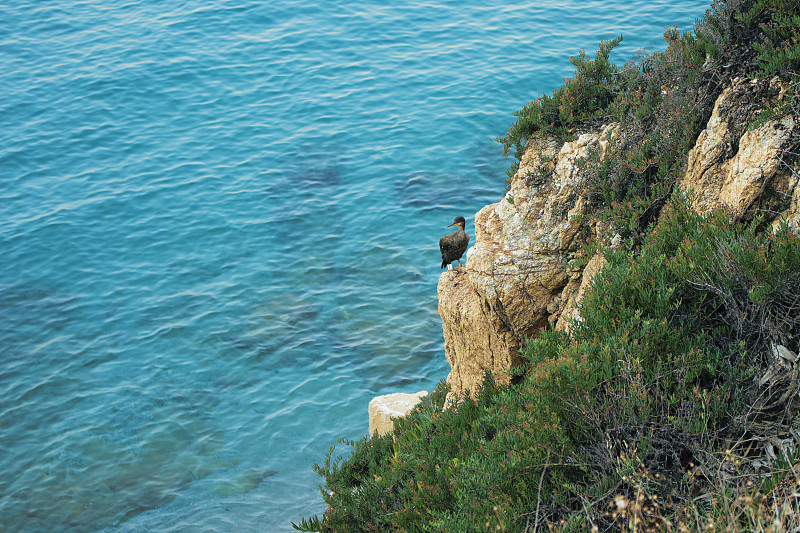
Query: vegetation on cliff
[[673, 404]]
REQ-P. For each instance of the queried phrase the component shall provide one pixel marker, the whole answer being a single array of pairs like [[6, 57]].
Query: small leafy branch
[[779, 49], [585, 96]]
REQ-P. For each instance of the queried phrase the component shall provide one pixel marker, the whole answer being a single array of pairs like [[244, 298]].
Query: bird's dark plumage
[[453, 245]]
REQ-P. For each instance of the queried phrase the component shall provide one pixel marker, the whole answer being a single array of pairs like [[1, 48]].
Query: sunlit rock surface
[[742, 168], [512, 283], [383, 409]]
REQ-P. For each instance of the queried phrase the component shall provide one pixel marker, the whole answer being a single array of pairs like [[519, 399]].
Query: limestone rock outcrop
[[512, 283], [745, 169], [575, 291], [518, 277]]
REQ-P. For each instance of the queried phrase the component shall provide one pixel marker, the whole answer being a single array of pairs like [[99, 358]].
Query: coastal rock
[[576, 290], [383, 409], [740, 168], [514, 277], [519, 278]]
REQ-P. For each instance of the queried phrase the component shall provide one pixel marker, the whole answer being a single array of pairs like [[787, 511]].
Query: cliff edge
[[521, 275]]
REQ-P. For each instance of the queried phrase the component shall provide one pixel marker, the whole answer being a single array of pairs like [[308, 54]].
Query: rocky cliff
[[520, 275]]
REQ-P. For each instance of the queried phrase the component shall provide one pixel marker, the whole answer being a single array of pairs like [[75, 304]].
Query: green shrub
[[778, 48], [658, 375], [585, 96]]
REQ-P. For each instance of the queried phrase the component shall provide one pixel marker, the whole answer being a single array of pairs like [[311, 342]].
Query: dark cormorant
[[453, 245]]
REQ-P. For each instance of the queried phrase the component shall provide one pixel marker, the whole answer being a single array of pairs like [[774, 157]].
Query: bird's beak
[[451, 225]]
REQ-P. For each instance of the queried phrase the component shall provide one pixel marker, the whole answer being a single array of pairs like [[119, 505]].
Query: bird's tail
[[444, 263]]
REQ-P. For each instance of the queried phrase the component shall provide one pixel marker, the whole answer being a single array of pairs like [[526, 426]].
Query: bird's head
[[458, 221]]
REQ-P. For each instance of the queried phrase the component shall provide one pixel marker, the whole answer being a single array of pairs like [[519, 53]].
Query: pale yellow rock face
[[512, 282], [576, 290], [383, 409], [476, 339], [738, 169]]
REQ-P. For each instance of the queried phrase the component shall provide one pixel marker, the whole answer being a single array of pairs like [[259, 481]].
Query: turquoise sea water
[[218, 231]]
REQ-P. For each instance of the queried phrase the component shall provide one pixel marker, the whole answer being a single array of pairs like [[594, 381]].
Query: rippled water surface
[[218, 232]]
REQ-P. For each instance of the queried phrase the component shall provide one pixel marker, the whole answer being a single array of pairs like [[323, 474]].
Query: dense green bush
[[655, 378], [779, 47]]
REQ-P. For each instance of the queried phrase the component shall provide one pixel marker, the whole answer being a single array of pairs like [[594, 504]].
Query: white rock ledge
[[382, 409]]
